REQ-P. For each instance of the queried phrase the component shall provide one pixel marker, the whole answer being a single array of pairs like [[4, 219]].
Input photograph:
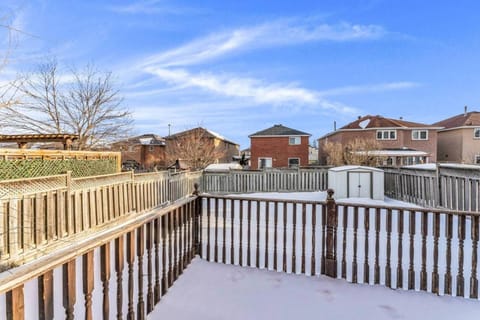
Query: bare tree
[[357, 152], [7, 37], [83, 102], [194, 146]]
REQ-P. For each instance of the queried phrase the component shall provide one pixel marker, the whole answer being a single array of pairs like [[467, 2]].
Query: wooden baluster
[[304, 225], [199, 226], [224, 236], [130, 260], [240, 247], [149, 244], [314, 213], [344, 242], [376, 268], [249, 220], [400, 249], [232, 231], [88, 283], [473, 275], [181, 252], [423, 272], [15, 304], [275, 236], [294, 236], [190, 233], [69, 291], [140, 253], [284, 237], [175, 244], [170, 248], [436, 235], [411, 271], [267, 217], [324, 225], [215, 256], [366, 266], [164, 227], [105, 277], [119, 264], [156, 236], [461, 239], [257, 257], [208, 229], [448, 271], [388, 268], [45, 296]]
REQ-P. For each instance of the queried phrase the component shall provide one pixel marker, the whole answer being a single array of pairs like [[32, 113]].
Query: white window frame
[[264, 158], [294, 166], [294, 140], [476, 133], [418, 133], [386, 134]]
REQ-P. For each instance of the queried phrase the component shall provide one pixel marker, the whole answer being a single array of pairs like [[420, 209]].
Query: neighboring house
[[459, 140], [397, 142], [200, 147], [279, 147], [144, 152], [312, 155]]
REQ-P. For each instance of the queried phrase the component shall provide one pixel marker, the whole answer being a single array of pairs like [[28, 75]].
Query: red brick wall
[[279, 150]]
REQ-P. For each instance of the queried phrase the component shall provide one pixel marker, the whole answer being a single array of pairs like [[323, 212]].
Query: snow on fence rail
[[41, 213], [272, 180], [412, 248], [455, 187]]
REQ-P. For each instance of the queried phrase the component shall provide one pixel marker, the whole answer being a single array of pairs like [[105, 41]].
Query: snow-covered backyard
[[209, 290]]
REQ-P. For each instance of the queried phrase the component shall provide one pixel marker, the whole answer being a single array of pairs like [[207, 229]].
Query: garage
[[356, 182]]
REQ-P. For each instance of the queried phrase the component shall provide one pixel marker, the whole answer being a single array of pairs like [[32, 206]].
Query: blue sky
[[237, 67]]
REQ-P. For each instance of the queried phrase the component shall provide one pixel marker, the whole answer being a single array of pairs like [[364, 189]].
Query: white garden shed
[[356, 182]]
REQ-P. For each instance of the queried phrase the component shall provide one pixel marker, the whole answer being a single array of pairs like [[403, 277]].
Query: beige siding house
[[459, 140]]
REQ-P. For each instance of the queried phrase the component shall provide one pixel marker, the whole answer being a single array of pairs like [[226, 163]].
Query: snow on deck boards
[[209, 290]]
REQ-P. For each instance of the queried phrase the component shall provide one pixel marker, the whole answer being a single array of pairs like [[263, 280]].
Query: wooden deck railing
[[412, 248], [123, 269], [40, 214]]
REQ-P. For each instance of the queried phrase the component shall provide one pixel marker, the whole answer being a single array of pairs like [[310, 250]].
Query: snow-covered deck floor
[[210, 290]]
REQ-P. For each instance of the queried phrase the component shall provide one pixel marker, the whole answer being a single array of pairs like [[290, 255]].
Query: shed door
[[359, 185]]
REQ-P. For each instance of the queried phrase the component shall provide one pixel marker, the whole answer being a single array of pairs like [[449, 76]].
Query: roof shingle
[[279, 130]]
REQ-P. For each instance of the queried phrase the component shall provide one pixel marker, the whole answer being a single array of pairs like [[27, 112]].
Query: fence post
[[196, 222], [331, 236], [69, 203]]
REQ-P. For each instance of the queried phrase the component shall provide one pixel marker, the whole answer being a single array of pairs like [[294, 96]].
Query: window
[[477, 159], [294, 140], [419, 135], [386, 134], [264, 163], [293, 162], [476, 133]]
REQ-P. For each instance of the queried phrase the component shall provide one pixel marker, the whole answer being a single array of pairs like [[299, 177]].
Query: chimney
[[334, 125], [465, 111], [359, 117], [401, 118]]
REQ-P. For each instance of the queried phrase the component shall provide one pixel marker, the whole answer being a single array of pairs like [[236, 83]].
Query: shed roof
[[353, 168], [279, 130]]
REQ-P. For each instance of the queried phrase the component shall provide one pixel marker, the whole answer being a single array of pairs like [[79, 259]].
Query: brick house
[[459, 140], [144, 152], [279, 147], [398, 142], [200, 142]]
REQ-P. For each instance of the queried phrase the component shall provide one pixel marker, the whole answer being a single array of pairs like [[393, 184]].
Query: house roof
[[279, 130], [145, 139], [471, 118], [209, 133], [369, 121]]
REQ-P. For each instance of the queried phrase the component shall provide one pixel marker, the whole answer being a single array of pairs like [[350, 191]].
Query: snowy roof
[[351, 168], [223, 166], [397, 153]]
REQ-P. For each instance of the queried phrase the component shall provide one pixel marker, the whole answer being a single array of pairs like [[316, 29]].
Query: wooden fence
[[411, 248], [39, 214], [242, 181], [449, 186]]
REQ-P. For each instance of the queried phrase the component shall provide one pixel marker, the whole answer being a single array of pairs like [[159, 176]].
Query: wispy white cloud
[[381, 87], [276, 33], [148, 7]]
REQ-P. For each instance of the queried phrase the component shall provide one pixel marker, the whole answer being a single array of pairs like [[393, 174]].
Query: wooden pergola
[[23, 139]]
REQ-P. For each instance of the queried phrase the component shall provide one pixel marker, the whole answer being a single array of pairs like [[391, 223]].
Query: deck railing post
[[196, 221], [331, 235]]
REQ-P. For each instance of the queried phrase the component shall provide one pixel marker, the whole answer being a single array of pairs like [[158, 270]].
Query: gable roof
[[471, 118], [145, 139], [208, 133], [279, 130], [370, 122]]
